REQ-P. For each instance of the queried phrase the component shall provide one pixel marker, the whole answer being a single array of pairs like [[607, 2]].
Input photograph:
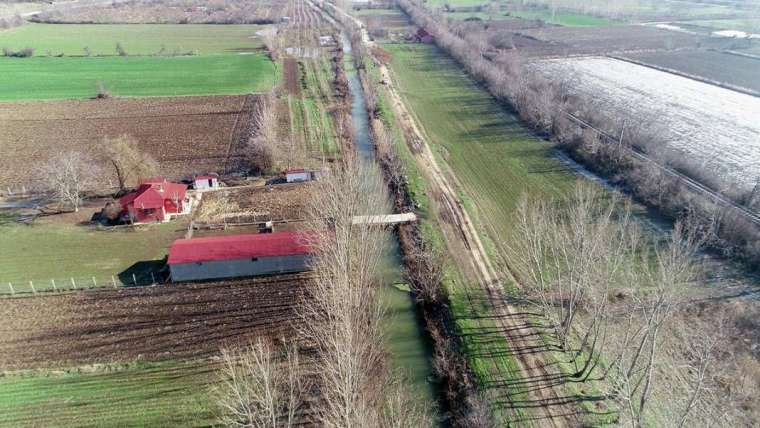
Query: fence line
[[52, 286]]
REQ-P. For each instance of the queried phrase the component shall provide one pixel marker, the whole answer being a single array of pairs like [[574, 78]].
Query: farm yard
[[709, 128], [278, 203], [230, 163], [186, 135], [52, 250]]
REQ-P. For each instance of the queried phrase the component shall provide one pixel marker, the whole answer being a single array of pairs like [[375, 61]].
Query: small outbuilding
[[297, 175], [206, 182], [234, 256], [155, 200]]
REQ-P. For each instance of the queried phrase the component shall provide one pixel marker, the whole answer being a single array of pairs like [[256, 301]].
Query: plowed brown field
[[165, 321], [186, 135]]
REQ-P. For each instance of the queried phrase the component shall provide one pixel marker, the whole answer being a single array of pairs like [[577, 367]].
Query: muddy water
[[407, 344]]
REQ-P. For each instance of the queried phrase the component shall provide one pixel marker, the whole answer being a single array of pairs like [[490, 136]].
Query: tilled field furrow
[[167, 321]]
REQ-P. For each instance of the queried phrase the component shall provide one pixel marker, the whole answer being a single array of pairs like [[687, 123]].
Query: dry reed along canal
[[406, 341]]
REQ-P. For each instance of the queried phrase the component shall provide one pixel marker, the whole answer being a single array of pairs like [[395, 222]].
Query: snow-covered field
[[716, 127]]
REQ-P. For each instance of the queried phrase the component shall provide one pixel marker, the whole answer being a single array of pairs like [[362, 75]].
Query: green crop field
[[496, 158], [137, 394], [42, 78], [44, 251], [564, 18], [141, 39]]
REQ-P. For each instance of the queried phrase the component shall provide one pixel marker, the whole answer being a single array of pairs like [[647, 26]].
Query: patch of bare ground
[[281, 202], [192, 320], [292, 81], [186, 135]]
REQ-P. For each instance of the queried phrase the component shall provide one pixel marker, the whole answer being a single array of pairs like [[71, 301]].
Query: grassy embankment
[[135, 394], [496, 160], [227, 61]]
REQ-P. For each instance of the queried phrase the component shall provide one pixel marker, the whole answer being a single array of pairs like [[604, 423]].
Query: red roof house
[[238, 255], [154, 200], [423, 36]]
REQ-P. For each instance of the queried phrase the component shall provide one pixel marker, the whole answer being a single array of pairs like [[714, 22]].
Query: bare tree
[[262, 149], [68, 176], [261, 386], [569, 258], [129, 162], [426, 271], [342, 312]]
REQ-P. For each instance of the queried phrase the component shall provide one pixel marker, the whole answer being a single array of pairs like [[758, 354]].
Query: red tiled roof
[[148, 194], [235, 247], [295, 171], [206, 177]]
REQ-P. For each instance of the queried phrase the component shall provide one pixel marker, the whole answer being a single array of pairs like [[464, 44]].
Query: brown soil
[[187, 135], [165, 321], [280, 202], [292, 81]]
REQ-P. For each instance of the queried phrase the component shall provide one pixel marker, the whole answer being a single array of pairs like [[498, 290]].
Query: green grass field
[[130, 395], [62, 78], [141, 39], [43, 252], [496, 157], [564, 18]]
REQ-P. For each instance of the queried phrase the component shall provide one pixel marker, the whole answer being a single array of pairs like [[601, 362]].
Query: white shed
[[206, 182], [297, 175]]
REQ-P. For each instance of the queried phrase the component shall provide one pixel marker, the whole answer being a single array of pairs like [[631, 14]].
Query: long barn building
[[234, 256]]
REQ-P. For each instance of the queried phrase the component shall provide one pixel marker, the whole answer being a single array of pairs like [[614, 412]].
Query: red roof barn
[[238, 255], [155, 199]]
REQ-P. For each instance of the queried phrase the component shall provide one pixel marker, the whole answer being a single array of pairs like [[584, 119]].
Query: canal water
[[408, 346]]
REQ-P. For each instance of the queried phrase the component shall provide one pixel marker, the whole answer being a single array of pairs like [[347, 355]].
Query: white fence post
[[52, 281], [94, 284], [73, 283], [32, 285], [134, 279], [11, 287], [153, 278], [113, 281]]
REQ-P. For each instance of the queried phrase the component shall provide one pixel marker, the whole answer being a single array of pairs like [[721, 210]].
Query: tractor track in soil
[[241, 133], [546, 406]]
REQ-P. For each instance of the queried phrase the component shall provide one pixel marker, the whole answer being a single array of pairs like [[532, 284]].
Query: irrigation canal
[[407, 343]]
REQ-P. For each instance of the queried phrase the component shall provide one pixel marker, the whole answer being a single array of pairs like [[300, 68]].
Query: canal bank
[[407, 343]]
